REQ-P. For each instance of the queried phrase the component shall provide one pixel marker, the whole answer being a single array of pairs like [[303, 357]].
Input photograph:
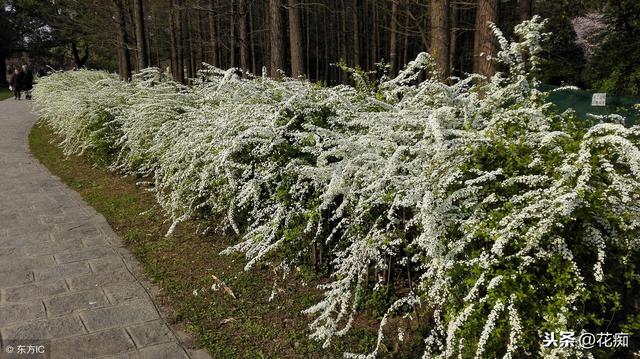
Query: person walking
[[27, 81], [16, 83]]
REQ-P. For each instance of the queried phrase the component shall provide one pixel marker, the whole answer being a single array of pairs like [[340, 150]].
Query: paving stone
[[44, 329], [52, 247], [67, 304], [150, 333], [21, 312], [75, 230], [108, 342], [27, 263], [33, 290], [34, 226], [62, 271], [162, 351], [99, 279], [99, 241], [12, 279], [120, 315], [26, 238], [83, 254], [11, 252], [122, 293], [107, 263]]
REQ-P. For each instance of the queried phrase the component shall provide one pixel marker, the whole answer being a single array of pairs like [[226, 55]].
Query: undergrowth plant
[[470, 216]]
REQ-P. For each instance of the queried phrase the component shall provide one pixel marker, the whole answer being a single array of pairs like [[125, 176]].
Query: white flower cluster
[[475, 196]]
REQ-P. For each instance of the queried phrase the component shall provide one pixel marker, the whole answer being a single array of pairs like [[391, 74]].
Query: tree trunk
[[342, 34], [244, 38], [188, 43], [316, 38], [393, 41], [202, 50], [80, 61], [174, 41], [440, 36], [405, 40], [3, 68], [252, 42], [453, 38], [213, 43], [524, 9], [484, 41], [123, 38], [356, 34], [295, 38], [232, 36], [179, 40], [138, 19], [375, 49], [277, 45]]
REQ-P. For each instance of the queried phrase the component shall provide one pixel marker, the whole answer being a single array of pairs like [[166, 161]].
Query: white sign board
[[599, 99]]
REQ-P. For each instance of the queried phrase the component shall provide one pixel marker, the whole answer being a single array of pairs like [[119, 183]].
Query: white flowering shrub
[[472, 212]]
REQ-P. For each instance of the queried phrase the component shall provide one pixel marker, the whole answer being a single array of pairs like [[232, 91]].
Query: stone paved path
[[64, 274]]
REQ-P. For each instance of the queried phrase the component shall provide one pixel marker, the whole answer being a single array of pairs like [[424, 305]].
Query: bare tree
[[484, 43], [276, 41], [440, 35], [295, 38], [123, 40], [213, 35], [393, 41], [177, 45], [141, 43], [524, 9], [356, 33], [243, 37]]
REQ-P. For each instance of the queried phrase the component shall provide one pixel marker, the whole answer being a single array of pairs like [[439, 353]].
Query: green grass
[[5, 94], [247, 327]]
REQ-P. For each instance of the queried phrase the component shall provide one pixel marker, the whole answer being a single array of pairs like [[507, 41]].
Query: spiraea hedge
[[474, 218]]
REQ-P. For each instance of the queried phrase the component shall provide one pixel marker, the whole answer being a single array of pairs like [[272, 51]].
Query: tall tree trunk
[[152, 39], [316, 39], [3, 69], [375, 49], [524, 9], [232, 36], [79, 60], [179, 10], [243, 37], [213, 43], [356, 34], [405, 40], [453, 39], [138, 19], [252, 42], [295, 38], [342, 34], [123, 38], [188, 42], [393, 40], [202, 38], [174, 40], [277, 44], [440, 36], [484, 42]]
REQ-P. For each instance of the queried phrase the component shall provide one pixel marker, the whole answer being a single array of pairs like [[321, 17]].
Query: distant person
[[16, 83], [27, 81]]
